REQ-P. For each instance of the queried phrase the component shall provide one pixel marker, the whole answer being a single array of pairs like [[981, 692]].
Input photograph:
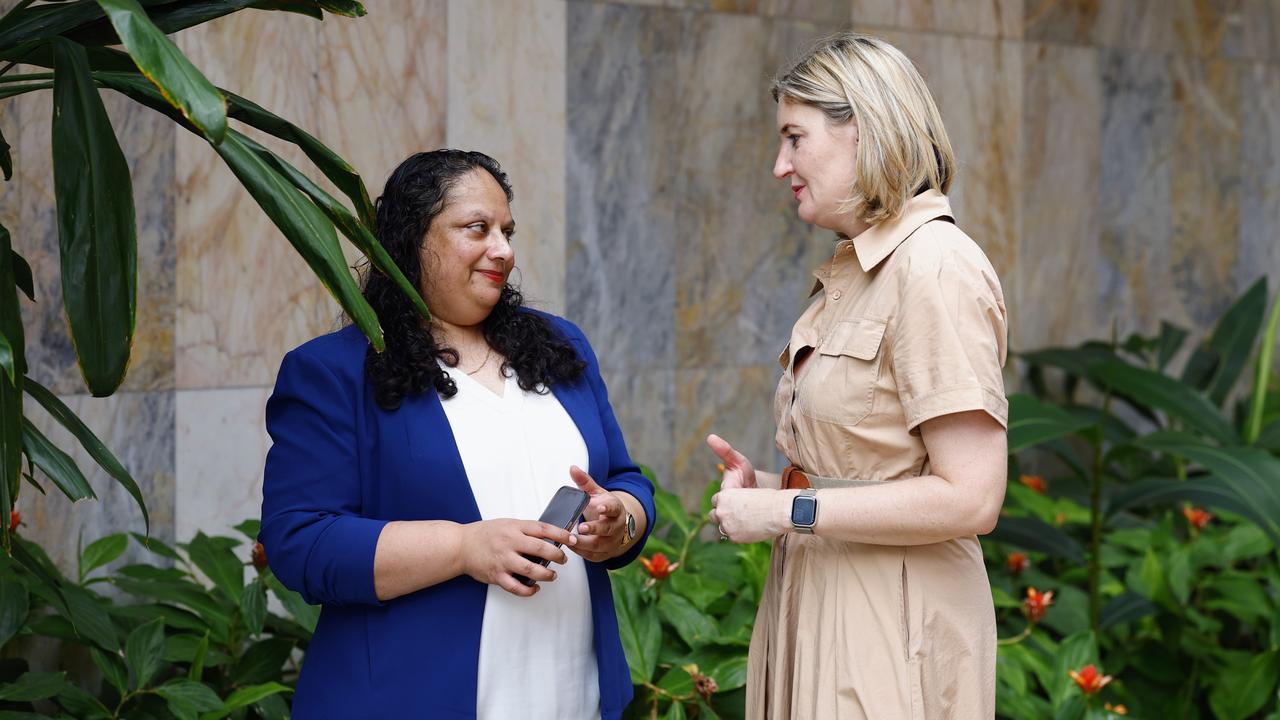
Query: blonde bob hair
[[902, 146]]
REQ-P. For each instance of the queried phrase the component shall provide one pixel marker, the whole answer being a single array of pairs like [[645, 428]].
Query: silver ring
[[720, 530]]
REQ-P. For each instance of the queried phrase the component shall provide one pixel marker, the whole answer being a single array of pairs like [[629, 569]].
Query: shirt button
[[835, 295]]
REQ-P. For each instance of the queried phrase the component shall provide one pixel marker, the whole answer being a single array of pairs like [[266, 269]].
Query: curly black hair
[[417, 191]]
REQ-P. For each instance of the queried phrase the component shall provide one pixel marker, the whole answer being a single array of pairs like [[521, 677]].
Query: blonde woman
[[891, 411]]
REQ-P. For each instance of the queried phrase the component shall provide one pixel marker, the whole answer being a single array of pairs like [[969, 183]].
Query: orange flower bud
[[1197, 517], [705, 686], [1036, 604], [15, 519], [259, 557], [1117, 709], [1089, 679], [658, 566], [1035, 482], [1017, 562]]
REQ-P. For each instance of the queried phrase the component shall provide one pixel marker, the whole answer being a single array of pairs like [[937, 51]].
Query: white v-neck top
[[537, 656]]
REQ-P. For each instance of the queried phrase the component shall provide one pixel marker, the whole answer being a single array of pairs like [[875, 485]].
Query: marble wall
[[1119, 160]]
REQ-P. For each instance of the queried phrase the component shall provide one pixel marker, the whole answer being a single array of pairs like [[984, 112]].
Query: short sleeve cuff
[[953, 400]]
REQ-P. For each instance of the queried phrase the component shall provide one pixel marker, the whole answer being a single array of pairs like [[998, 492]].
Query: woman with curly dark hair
[[399, 486]]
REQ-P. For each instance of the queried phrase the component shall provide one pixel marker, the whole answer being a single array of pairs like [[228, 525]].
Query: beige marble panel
[[733, 402], [989, 18], [138, 429], [244, 295], [221, 443], [1206, 168], [1260, 183], [644, 404], [507, 98], [1122, 24], [381, 89], [829, 11], [1054, 289]]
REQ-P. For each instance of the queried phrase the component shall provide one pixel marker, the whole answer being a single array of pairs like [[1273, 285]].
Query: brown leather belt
[[793, 478]]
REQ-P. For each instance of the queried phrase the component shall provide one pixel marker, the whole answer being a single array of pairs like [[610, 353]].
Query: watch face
[[804, 511], [631, 526]]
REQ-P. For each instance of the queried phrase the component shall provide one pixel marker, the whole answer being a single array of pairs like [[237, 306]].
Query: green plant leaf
[[640, 631], [253, 607], [97, 236], [1247, 472], [7, 360], [245, 697], [729, 674], [1155, 390], [1032, 422], [694, 626], [10, 392], [34, 686], [1234, 337], [143, 651], [250, 529], [14, 606], [1171, 491], [59, 466], [90, 442], [88, 616], [1262, 380], [156, 546], [196, 671], [112, 668], [101, 552], [185, 87], [262, 662], [22, 275], [1241, 692], [305, 227], [189, 696], [1075, 652], [672, 511], [6, 158], [32, 25], [1168, 343], [220, 564], [675, 711], [1034, 534], [305, 615]]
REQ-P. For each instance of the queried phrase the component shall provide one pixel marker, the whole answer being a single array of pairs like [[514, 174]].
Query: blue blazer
[[339, 470]]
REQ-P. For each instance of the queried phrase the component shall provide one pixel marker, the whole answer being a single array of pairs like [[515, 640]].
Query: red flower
[[1017, 562], [1089, 679], [658, 566], [259, 557], [1035, 604], [1197, 517], [1035, 482], [15, 519]]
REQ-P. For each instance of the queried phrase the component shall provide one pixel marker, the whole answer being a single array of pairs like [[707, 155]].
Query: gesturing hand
[[491, 552], [600, 537], [738, 470]]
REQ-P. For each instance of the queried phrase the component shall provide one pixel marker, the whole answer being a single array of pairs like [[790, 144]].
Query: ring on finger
[[723, 534]]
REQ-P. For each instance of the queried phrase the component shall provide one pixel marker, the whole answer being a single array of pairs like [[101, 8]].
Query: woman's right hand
[[738, 470], [491, 552]]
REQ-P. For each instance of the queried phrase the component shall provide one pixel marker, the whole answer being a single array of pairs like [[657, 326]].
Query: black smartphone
[[563, 511]]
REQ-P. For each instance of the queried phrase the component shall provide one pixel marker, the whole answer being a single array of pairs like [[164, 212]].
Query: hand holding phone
[[563, 511]]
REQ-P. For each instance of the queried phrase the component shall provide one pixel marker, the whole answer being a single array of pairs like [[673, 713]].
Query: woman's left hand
[[748, 515], [600, 537]]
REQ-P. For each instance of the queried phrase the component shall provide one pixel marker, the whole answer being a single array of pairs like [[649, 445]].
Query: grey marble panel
[[139, 429], [827, 11], [1055, 288], [621, 180], [1259, 252], [644, 404], [1125, 24], [1206, 166], [744, 259], [1135, 194], [735, 403]]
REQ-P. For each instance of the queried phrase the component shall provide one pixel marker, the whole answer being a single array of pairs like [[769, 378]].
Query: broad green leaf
[[677, 681], [89, 441], [14, 605], [189, 695], [671, 510], [355, 231], [694, 626], [305, 227], [7, 360], [220, 565], [1234, 337], [304, 614], [729, 674], [196, 671], [34, 24], [1269, 437], [1207, 492], [6, 158], [59, 466], [1075, 652], [250, 528], [87, 615], [1168, 344], [1179, 569], [272, 707], [1033, 534], [1241, 692], [10, 392], [1262, 381], [245, 697], [22, 276], [1032, 422], [81, 704], [696, 587], [156, 546], [1247, 472], [253, 607], [34, 686], [101, 552], [1155, 390], [97, 236], [675, 711], [640, 631], [185, 87], [143, 651], [112, 668], [262, 662]]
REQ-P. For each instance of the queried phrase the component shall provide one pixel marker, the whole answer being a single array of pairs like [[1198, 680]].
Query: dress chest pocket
[[841, 385]]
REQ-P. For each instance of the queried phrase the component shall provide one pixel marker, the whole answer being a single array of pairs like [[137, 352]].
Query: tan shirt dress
[[909, 325]]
